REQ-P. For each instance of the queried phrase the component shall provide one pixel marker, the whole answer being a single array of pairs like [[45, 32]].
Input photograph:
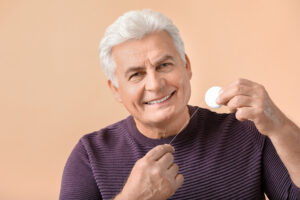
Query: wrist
[[286, 130], [120, 196], [124, 196]]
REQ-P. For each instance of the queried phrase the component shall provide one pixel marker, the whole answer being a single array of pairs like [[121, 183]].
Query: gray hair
[[135, 25]]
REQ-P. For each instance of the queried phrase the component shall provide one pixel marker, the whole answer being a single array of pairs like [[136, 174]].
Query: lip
[[157, 99]]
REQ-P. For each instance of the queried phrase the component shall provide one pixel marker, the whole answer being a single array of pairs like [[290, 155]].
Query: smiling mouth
[[160, 100]]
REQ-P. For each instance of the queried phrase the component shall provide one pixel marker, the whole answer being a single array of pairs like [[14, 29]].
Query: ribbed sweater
[[219, 157]]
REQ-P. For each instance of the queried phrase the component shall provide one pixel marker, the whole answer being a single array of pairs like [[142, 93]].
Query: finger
[[228, 93], [239, 102], [173, 170], [178, 181], [157, 152], [245, 113], [166, 160], [239, 87]]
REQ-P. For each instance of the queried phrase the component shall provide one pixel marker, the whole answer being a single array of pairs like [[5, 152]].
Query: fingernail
[[218, 98]]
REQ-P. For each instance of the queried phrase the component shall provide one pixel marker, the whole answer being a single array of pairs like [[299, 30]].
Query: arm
[[250, 101], [286, 140], [78, 181], [277, 183]]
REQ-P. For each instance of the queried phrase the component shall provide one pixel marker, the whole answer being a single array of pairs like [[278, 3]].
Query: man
[[254, 150]]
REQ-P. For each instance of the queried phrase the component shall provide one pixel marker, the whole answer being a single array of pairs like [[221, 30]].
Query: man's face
[[154, 83]]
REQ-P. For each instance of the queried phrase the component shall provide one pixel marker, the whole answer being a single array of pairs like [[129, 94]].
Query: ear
[[188, 66], [115, 91]]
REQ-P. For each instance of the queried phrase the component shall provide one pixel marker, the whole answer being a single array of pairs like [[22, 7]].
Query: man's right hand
[[153, 177]]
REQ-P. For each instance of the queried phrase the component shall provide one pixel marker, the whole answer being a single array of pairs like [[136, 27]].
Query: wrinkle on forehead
[[144, 51]]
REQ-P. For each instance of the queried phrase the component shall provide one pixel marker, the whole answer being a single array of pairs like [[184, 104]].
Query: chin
[[161, 116]]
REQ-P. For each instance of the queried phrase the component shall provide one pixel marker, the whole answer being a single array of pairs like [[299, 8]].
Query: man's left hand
[[251, 101]]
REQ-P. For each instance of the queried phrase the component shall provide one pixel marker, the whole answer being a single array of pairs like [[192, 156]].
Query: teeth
[[160, 100]]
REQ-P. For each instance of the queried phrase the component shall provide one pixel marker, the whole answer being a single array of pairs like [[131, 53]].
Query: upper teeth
[[160, 100]]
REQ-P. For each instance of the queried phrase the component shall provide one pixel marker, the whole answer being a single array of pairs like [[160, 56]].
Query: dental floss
[[186, 124], [212, 95]]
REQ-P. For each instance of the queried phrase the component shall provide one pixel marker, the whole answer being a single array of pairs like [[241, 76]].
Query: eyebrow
[[164, 58], [138, 68], [132, 69]]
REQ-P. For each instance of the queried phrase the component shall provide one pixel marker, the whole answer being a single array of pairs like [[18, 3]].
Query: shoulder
[[107, 137], [226, 126]]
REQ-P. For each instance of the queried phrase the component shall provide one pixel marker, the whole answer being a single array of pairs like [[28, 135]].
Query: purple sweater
[[219, 157]]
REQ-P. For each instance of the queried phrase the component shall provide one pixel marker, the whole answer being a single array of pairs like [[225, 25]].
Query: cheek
[[184, 85], [132, 94], [182, 81]]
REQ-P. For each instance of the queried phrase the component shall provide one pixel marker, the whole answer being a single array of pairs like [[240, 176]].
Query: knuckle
[[236, 89], [157, 148], [240, 112], [161, 148], [240, 115], [260, 86], [239, 81], [143, 163], [175, 165], [156, 172], [235, 101], [230, 105], [176, 168], [260, 89], [237, 116]]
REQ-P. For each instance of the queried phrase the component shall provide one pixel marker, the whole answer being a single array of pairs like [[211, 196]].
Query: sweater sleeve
[[277, 182], [77, 180]]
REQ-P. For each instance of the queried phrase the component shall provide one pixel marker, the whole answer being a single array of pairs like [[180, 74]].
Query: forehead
[[150, 48]]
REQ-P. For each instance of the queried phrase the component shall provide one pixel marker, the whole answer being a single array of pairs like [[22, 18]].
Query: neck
[[165, 129]]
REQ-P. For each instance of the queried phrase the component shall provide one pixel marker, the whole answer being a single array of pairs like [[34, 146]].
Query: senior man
[[242, 155]]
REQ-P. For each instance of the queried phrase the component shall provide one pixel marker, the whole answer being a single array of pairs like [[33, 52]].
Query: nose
[[154, 81]]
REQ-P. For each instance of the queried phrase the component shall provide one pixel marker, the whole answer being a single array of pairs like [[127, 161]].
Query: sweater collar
[[138, 137]]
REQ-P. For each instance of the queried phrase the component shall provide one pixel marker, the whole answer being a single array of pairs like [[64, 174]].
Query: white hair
[[135, 25]]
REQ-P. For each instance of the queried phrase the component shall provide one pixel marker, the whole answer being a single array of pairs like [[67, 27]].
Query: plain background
[[53, 90]]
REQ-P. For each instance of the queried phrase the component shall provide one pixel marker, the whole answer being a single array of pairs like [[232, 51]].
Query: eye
[[135, 75], [164, 66]]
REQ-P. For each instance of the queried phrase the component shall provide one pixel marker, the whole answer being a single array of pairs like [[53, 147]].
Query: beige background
[[53, 90]]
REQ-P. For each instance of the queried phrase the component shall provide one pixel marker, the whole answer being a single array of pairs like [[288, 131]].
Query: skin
[[155, 176], [148, 70], [151, 69], [250, 101]]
